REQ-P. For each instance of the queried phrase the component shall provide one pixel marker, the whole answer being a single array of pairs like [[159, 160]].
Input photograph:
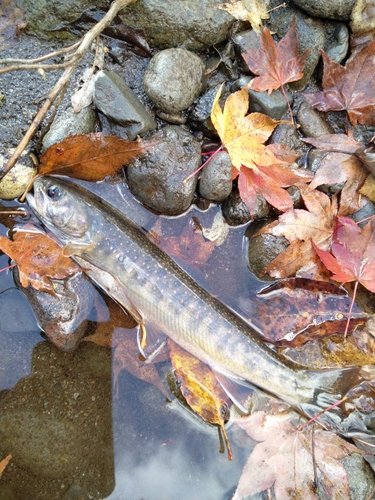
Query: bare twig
[[42, 58], [84, 44]]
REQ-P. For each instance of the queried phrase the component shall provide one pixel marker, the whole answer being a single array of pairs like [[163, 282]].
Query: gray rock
[[70, 123], [360, 476], [191, 24], [216, 180], [246, 40], [337, 45], [119, 103], [200, 115], [330, 9], [262, 250], [46, 16], [240, 82], [310, 34], [156, 178], [313, 123], [235, 212], [288, 135], [173, 79], [273, 105]]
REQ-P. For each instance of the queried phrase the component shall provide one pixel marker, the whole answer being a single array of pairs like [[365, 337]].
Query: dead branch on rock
[[79, 49]]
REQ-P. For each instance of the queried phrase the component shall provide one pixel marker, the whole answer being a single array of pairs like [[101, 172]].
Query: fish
[[118, 256]]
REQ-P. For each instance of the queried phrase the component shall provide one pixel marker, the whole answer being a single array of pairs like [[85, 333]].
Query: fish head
[[57, 204]]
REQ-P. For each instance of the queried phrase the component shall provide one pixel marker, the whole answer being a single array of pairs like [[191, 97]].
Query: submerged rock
[[156, 178]]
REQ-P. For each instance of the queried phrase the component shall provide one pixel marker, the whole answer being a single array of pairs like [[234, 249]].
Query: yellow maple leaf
[[243, 136]]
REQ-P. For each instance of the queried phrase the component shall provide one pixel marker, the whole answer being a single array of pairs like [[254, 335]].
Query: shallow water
[[72, 437]]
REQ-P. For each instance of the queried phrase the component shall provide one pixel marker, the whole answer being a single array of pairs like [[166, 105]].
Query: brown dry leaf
[[338, 168], [301, 227], [362, 17], [252, 11], [90, 157], [350, 88], [294, 311], [368, 188], [200, 388], [11, 22], [4, 463], [39, 259], [276, 64], [290, 460]]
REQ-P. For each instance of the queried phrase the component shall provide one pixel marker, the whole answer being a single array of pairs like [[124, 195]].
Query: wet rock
[[240, 82], [235, 212], [216, 180], [15, 182], [70, 123], [63, 317], [288, 135], [313, 123], [47, 16], [330, 9], [360, 476], [156, 178], [200, 116], [173, 79], [193, 25], [118, 102], [262, 250], [310, 34], [273, 105], [246, 40], [337, 45]]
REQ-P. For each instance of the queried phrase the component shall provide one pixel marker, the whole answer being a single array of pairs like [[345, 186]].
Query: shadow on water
[[70, 436]]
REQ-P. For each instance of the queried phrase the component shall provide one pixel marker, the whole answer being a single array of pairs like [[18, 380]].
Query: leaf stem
[[321, 413], [350, 310], [214, 153], [288, 103]]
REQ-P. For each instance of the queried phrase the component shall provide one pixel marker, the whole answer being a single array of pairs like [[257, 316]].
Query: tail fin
[[356, 387]]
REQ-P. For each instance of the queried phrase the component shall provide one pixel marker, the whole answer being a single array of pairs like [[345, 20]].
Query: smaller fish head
[[60, 208]]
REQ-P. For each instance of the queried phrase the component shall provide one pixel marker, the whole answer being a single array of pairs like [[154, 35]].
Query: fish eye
[[54, 192]]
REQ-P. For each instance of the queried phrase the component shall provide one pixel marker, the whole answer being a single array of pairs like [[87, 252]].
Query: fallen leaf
[[300, 227], [90, 157], [276, 64], [291, 461], [126, 357], [339, 143], [11, 22], [368, 188], [4, 463], [259, 169], [294, 311], [39, 259], [353, 253], [362, 17], [189, 247], [252, 11], [350, 88], [200, 388]]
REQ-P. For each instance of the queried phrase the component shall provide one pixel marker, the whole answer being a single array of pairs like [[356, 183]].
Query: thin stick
[[321, 413], [42, 58], [64, 79]]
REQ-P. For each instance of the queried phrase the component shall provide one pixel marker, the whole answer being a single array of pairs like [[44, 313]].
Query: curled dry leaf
[[300, 227], [4, 463], [349, 88], [252, 11], [290, 460], [201, 389], [297, 310], [39, 259]]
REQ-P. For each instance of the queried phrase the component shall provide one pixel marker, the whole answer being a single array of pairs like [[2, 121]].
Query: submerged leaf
[[290, 460], [200, 388], [297, 310]]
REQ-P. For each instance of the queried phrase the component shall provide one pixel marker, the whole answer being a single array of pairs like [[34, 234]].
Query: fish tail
[[336, 394]]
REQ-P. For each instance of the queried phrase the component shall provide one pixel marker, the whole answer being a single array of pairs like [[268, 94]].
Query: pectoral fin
[[241, 393]]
